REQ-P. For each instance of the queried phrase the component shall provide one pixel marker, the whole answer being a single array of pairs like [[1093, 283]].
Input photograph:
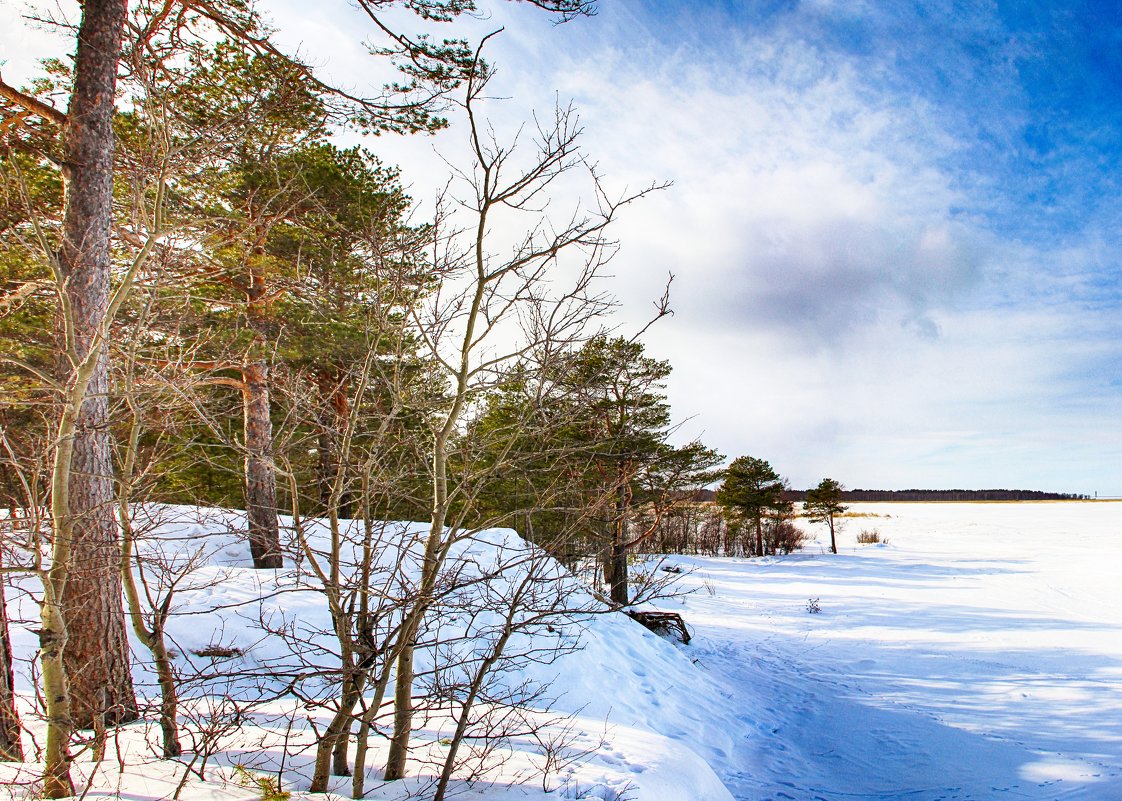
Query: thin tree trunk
[[403, 712], [472, 696], [370, 713], [333, 418], [154, 639], [11, 748], [338, 730], [362, 739], [618, 552], [339, 766], [169, 712], [95, 654], [260, 475], [430, 568]]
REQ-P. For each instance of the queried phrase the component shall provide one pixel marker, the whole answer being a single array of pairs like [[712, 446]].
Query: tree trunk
[[260, 475], [833, 541], [618, 591], [411, 625], [617, 584], [95, 653], [362, 739], [327, 759], [403, 713], [334, 418], [11, 749], [759, 536]]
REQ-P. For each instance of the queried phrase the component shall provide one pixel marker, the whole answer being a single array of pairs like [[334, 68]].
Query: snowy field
[[976, 655]]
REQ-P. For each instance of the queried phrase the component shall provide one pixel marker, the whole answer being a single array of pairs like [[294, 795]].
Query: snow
[[975, 655]]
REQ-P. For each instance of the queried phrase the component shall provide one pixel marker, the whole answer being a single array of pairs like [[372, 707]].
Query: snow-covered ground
[[976, 655]]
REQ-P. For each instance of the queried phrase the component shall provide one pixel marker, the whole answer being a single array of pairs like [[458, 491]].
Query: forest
[[209, 302]]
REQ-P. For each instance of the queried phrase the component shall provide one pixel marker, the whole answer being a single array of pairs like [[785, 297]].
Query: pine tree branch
[[35, 106]]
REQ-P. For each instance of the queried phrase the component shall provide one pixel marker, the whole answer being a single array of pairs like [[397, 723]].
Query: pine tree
[[93, 643], [823, 504], [591, 448], [750, 490]]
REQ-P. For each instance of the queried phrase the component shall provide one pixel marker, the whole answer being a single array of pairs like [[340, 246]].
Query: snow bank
[[617, 743]]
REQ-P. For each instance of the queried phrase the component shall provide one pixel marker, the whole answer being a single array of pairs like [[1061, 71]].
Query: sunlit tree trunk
[[260, 473], [95, 655]]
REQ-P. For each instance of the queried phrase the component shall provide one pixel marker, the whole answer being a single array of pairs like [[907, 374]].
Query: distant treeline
[[859, 495], [915, 495]]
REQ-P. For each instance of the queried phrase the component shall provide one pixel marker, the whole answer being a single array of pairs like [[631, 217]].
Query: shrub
[[785, 537], [268, 787], [870, 537], [219, 652]]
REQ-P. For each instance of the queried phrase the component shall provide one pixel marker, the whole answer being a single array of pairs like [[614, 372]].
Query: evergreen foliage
[[751, 490], [823, 504], [590, 470]]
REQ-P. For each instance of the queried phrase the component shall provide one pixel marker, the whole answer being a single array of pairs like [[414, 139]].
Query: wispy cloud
[[870, 281], [894, 226]]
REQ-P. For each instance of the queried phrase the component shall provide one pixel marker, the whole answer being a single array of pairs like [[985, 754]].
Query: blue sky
[[894, 225]]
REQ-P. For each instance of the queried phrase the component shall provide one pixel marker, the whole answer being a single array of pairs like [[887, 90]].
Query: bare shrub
[[867, 537], [785, 537]]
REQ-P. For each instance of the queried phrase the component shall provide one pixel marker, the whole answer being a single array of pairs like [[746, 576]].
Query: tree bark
[[430, 571], [11, 749], [95, 654], [618, 553], [260, 476], [402, 715], [619, 574], [334, 418]]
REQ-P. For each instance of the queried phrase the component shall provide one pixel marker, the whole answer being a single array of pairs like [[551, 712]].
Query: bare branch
[[31, 104]]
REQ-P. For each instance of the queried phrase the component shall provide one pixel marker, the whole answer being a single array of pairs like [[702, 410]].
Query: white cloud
[[843, 307]]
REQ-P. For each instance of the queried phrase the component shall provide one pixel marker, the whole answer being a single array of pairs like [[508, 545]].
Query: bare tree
[[492, 311], [517, 608]]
